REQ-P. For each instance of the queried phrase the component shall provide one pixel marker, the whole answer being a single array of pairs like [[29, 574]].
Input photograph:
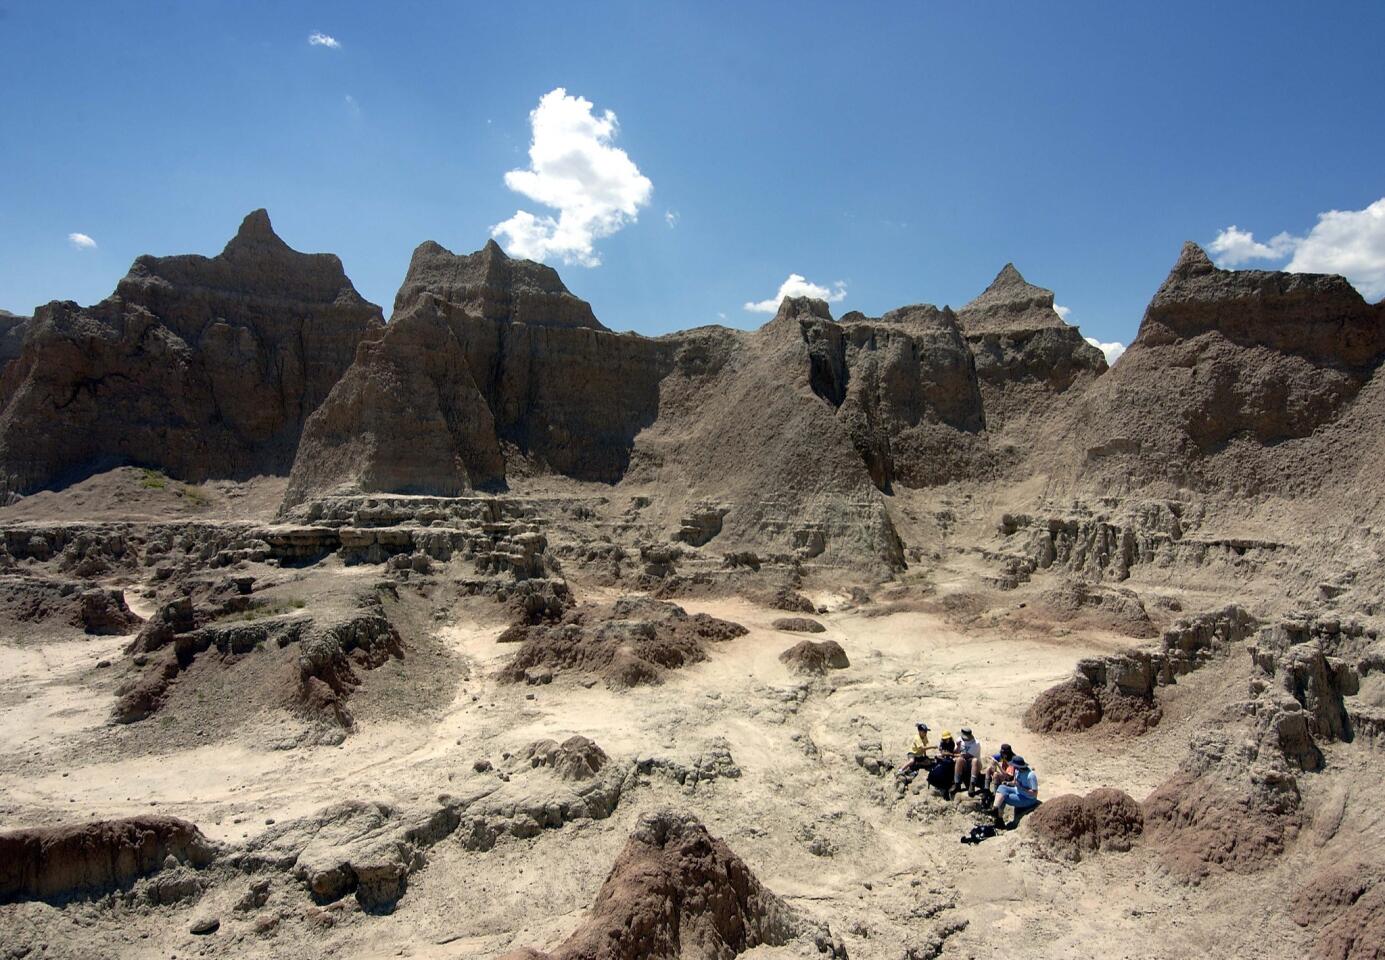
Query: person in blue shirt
[[1022, 792]]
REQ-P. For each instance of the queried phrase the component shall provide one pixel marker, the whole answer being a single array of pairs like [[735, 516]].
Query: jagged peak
[[798, 306], [496, 284], [255, 231]]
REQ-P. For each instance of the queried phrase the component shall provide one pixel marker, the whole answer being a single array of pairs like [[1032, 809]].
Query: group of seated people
[[1000, 780]]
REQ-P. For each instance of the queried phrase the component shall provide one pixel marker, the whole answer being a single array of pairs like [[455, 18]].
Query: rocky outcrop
[[369, 850], [83, 605], [1026, 355], [200, 367], [483, 353], [1119, 689], [1074, 827], [88, 860], [320, 655], [630, 642], [676, 891], [904, 387], [1239, 381]]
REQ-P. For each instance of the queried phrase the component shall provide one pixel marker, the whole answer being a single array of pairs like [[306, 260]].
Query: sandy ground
[[895, 866]]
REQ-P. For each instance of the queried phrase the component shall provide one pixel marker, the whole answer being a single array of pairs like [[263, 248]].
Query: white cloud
[[1112, 351], [316, 39], [1234, 246], [1348, 242], [352, 106], [1062, 311], [81, 241], [573, 168], [798, 286], [671, 218]]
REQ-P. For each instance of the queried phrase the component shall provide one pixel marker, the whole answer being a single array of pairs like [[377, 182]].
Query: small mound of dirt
[[798, 625], [1066, 707], [59, 864], [810, 656], [576, 758], [676, 891], [633, 641], [1074, 827]]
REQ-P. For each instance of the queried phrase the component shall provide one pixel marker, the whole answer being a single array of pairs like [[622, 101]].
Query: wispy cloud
[[316, 39], [1062, 311], [80, 241], [352, 106], [799, 286], [1347, 242], [573, 168], [671, 218]]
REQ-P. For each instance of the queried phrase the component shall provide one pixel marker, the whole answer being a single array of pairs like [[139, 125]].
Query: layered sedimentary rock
[[1239, 381], [905, 387], [483, 353], [203, 367], [1026, 355]]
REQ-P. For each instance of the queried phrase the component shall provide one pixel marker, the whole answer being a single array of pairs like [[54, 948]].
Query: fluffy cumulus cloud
[[316, 39], [81, 241], [575, 169], [1112, 351], [1234, 246], [1349, 242], [799, 286]]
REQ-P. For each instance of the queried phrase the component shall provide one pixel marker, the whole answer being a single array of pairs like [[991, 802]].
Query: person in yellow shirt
[[918, 753]]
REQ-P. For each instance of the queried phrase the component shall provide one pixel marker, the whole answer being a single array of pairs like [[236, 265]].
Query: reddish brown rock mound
[[676, 891], [1075, 827], [1346, 903], [630, 642], [58, 864], [1205, 823], [809, 656]]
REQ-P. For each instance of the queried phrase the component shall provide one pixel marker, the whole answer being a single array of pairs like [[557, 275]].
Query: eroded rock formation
[[676, 891], [201, 367]]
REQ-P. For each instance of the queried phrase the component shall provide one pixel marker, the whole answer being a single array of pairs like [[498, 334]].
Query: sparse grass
[[152, 479], [197, 497]]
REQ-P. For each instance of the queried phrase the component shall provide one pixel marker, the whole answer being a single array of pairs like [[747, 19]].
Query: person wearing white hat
[[968, 767]]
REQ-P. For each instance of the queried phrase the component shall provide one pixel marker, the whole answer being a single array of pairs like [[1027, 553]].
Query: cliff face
[[1240, 381], [906, 387], [204, 367], [484, 354], [1027, 358]]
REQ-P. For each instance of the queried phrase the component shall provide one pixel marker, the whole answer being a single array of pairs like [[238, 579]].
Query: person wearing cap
[[1022, 793], [968, 764], [999, 771], [940, 774], [918, 753]]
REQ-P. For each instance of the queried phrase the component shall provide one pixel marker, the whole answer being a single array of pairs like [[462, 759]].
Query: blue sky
[[905, 150]]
